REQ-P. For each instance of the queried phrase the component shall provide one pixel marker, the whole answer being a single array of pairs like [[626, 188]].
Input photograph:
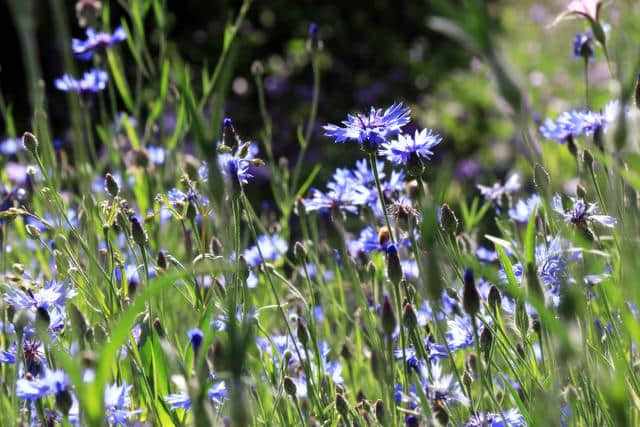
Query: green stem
[[376, 177]]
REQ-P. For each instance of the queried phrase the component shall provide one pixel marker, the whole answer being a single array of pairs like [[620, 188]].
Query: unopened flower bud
[[300, 252], [470, 295], [394, 267], [379, 408], [161, 260], [587, 158], [32, 231], [448, 220], [64, 401], [581, 192], [303, 333], [111, 185], [486, 340], [494, 299], [30, 142], [409, 316], [342, 405], [138, 232], [290, 386], [257, 68], [387, 317]]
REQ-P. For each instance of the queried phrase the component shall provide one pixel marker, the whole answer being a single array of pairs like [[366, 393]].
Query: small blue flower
[[406, 147], [157, 155], [272, 248], [583, 46], [117, 403], [84, 49], [195, 337], [512, 416], [218, 392], [51, 382], [371, 130], [523, 209], [581, 214], [53, 294], [497, 190], [11, 146], [178, 400], [92, 81]]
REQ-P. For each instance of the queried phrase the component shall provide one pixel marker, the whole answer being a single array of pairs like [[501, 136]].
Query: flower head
[[409, 149], [271, 248], [84, 49], [92, 81], [589, 9], [372, 130], [581, 214], [583, 46]]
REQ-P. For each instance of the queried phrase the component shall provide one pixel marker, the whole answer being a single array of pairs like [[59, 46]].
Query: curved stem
[[376, 177]]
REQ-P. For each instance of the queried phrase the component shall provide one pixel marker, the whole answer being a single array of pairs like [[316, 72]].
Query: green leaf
[[530, 240], [118, 77]]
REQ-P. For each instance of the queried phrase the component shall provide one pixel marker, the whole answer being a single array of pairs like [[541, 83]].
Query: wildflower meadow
[[259, 213]]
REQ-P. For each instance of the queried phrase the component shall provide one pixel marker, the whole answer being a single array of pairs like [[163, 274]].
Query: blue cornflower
[[84, 49], [179, 400], [92, 81], [344, 193], [157, 155], [218, 392], [51, 382], [117, 403], [53, 294], [583, 46], [407, 149], [486, 255], [372, 130], [11, 146], [578, 122], [581, 214], [498, 190], [195, 338], [512, 416], [460, 333], [272, 248], [523, 209]]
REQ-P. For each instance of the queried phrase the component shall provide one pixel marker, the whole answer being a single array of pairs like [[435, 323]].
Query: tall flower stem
[[586, 81], [376, 177]]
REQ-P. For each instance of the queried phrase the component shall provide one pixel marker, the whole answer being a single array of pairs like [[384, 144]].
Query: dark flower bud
[[303, 333], [470, 295], [244, 268], [21, 320], [394, 267], [287, 355], [467, 379], [30, 142], [486, 340], [138, 232], [581, 192], [290, 386], [32, 231], [111, 185], [64, 401], [345, 352], [536, 325], [371, 269], [87, 12], [379, 409], [342, 405], [161, 260], [520, 350], [409, 317], [448, 220], [78, 320], [215, 246], [387, 317], [157, 325], [494, 299], [300, 252], [541, 177], [587, 158], [257, 68]]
